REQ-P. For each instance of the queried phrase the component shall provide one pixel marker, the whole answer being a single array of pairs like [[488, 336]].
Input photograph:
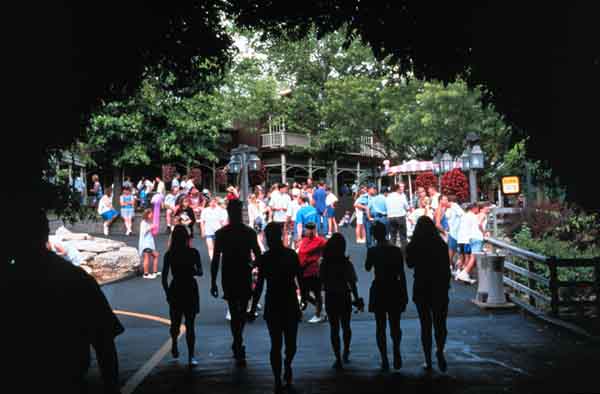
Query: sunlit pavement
[[487, 352]]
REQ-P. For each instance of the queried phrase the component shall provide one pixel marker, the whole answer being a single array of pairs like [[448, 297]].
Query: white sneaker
[[157, 273], [464, 277], [316, 319], [147, 276], [228, 316], [106, 229], [151, 276]]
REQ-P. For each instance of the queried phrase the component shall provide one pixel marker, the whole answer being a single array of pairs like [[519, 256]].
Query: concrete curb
[[555, 321]]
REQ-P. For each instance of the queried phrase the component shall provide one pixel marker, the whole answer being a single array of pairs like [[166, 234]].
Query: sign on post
[[511, 185]]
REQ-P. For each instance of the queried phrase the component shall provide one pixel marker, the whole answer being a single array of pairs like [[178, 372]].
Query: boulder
[[87, 269], [129, 250], [118, 262], [94, 246], [87, 256]]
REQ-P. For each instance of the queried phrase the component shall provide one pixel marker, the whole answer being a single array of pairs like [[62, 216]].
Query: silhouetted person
[[388, 296], [427, 253], [182, 293], [339, 282], [234, 243], [281, 268], [53, 311]]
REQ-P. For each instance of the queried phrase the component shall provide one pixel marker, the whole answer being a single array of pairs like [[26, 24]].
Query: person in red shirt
[[310, 252]]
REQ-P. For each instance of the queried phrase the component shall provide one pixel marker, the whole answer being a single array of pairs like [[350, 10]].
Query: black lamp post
[[473, 160], [244, 159]]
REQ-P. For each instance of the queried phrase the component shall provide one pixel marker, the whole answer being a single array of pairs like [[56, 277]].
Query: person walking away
[[441, 220], [184, 263], [454, 213], [280, 267], [256, 218], [377, 210], [106, 210], [212, 219], [320, 197], [306, 214], [310, 251], [468, 225], [363, 204], [339, 282], [236, 278], [127, 209], [397, 209], [387, 296], [360, 214], [186, 216], [280, 205], [292, 213], [330, 201], [434, 197], [427, 255], [147, 246], [96, 190], [170, 207]]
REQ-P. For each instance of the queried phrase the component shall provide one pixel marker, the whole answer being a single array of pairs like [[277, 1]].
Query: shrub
[[455, 182], [426, 179]]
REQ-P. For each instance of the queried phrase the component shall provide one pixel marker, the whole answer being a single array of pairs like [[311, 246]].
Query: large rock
[[95, 246], [87, 256], [115, 264], [63, 234]]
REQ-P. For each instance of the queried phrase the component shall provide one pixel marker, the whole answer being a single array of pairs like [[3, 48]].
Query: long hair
[[426, 233], [179, 239], [335, 249]]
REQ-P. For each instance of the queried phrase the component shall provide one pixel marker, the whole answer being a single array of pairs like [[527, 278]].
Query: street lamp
[[466, 160], [472, 160], [447, 162], [476, 158], [436, 163], [244, 159]]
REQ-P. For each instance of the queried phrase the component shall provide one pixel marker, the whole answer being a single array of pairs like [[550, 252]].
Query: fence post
[[531, 282], [553, 285]]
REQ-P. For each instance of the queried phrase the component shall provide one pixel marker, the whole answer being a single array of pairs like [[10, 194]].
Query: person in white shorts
[[360, 226], [212, 219]]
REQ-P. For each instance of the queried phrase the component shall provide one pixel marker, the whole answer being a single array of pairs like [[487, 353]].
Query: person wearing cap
[[363, 204], [310, 252]]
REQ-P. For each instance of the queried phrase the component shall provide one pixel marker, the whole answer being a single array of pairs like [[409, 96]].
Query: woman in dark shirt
[[427, 253], [339, 281], [182, 293], [280, 267], [387, 296], [186, 216]]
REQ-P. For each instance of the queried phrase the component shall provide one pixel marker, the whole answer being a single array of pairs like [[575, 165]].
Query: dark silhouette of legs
[[334, 325], [396, 334], [237, 309], [276, 334], [290, 332], [440, 314], [347, 332], [176, 318], [380, 333], [190, 335], [426, 328]]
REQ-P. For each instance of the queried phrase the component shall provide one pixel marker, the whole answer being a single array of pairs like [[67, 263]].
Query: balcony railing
[[284, 139]]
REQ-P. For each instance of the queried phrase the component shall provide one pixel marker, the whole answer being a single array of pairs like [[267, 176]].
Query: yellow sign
[[511, 185]]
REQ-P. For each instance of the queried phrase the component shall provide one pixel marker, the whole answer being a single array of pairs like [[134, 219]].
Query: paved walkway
[[489, 352]]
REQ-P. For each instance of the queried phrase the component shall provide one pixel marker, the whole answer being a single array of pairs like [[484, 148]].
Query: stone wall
[[96, 226]]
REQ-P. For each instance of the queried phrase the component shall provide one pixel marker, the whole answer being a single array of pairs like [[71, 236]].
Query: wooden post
[[335, 183], [553, 286]]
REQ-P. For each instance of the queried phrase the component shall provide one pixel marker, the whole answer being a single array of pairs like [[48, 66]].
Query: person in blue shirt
[[320, 196], [378, 210], [306, 214], [363, 203]]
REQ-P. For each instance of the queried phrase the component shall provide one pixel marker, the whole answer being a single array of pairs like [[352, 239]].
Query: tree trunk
[[117, 183]]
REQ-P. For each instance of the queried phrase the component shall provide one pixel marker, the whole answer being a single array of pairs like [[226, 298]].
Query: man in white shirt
[[454, 214], [397, 209], [160, 186], [280, 204], [212, 218], [468, 225]]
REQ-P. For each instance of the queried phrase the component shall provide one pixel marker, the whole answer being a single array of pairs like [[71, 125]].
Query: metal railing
[[537, 278], [283, 139]]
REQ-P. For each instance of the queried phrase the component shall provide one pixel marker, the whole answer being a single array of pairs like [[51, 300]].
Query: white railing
[[283, 139]]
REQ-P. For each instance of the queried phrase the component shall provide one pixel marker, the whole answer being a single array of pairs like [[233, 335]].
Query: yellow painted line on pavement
[[141, 374]]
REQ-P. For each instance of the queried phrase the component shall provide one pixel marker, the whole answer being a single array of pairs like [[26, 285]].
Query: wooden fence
[[538, 280]]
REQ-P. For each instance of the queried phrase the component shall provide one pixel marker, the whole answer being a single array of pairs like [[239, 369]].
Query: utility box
[[490, 288]]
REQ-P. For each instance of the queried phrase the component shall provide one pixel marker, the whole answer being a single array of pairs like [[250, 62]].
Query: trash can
[[490, 272]]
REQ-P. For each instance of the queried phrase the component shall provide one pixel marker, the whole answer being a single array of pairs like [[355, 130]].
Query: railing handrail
[[519, 252]]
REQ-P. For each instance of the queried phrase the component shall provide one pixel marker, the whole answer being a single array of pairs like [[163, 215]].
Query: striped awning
[[414, 166]]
